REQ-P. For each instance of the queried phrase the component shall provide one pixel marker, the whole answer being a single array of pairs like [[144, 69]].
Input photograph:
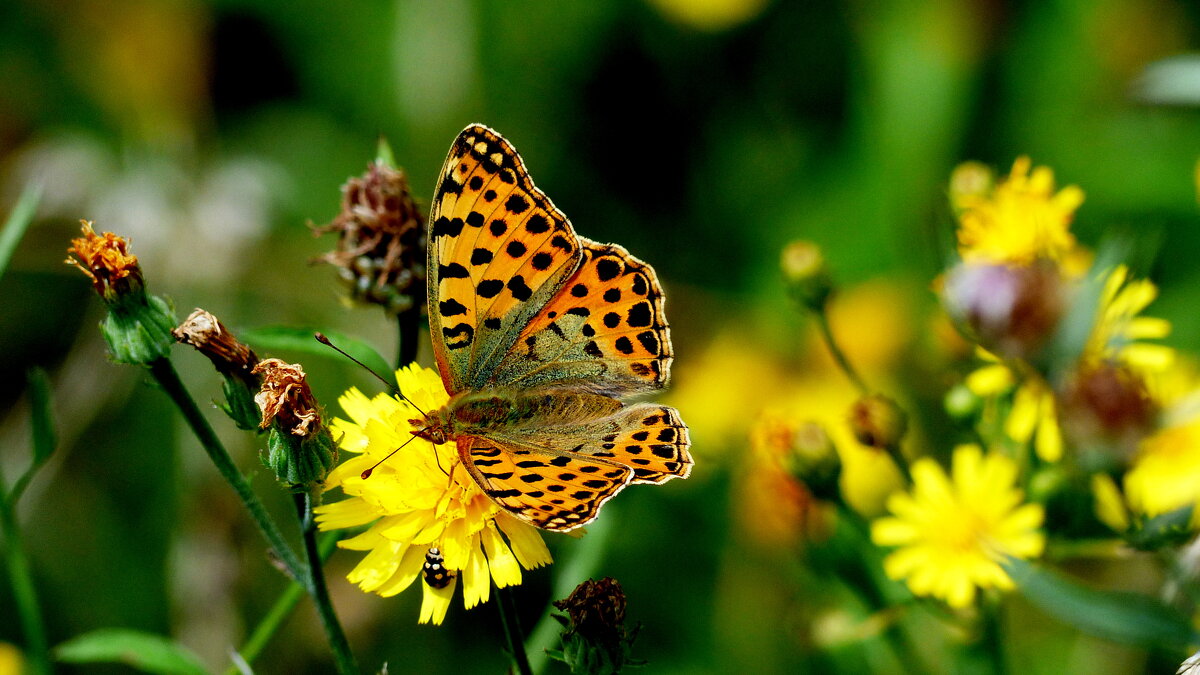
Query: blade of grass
[[18, 221]]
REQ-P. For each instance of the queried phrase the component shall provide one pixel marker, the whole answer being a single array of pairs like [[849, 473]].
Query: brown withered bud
[[1012, 311], [381, 241], [877, 421], [596, 610], [209, 336], [1107, 405], [286, 399]]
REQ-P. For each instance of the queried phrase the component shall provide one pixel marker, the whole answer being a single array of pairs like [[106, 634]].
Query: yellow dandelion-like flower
[[417, 501], [1019, 220], [953, 531], [1119, 330], [1166, 471], [1034, 412]]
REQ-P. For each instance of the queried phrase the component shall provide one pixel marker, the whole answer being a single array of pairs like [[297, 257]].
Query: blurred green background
[[701, 135]]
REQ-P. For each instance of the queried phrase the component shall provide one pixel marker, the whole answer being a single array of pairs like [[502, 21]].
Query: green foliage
[[1132, 618], [146, 652], [284, 338], [18, 221]]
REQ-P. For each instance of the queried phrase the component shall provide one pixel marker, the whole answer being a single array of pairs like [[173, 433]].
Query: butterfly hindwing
[[570, 454], [499, 250], [552, 491], [604, 331]]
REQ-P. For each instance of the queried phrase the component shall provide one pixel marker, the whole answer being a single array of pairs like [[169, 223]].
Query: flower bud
[[138, 326], [806, 274], [970, 180], [1010, 310], [299, 448], [381, 241], [232, 359], [878, 422], [1108, 406], [595, 639]]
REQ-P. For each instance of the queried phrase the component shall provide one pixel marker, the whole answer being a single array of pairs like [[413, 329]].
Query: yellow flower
[[1118, 331], [417, 500], [1034, 412], [954, 531], [1166, 472], [1020, 220]]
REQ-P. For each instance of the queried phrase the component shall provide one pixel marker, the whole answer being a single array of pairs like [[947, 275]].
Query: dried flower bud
[[381, 241], [1010, 310], [138, 326], [1108, 406], [595, 639], [299, 448], [806, 274], [232, 359], [877, 421]]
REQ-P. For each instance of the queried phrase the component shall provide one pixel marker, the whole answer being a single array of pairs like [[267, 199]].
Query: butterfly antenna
[[325, 341], [367, 474]]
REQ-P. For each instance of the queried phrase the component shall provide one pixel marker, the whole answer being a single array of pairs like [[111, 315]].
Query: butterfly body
[[538, 333]]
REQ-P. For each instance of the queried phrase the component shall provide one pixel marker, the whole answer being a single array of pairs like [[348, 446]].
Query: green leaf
[[302, 340], [1173, 528], [144, 651], [42, 416], [1131, 618], [18, 221], [42, 420]]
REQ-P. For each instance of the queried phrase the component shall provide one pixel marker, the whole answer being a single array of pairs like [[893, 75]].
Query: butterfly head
[[433, 427]]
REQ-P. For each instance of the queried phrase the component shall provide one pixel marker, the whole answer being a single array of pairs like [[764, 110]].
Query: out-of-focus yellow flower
[[868, 475], [1119, 330], [710, 15], [1021, 220], [416, 506], [954, 531], [1110, 505], [873, 325], [1166, 472], [11, 661], [1034, 412]]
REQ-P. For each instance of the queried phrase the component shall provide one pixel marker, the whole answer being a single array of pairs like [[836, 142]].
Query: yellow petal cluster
[[1019, 220], [953, 531], [419, 499]]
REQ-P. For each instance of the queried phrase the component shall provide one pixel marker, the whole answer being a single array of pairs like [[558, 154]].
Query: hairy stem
[[164, 373], [342, 656], [512, 630], [24, 593]]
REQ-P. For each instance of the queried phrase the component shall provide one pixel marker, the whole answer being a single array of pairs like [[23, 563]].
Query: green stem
[[343, 658], [512, 630], [409, 324], [838, 355], [897, 456], [282, 609], [24, 592], [164, 373], [992, 640]]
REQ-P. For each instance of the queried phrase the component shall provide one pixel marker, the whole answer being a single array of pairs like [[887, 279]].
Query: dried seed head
[[596, 610], [381, 241]]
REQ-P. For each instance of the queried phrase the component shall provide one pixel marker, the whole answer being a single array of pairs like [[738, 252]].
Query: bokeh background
[[700, 135]]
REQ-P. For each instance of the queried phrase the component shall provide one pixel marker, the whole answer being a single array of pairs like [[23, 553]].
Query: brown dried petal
[[286, 398]]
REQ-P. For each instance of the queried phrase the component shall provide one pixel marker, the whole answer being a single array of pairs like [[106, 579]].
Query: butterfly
[[538, 334]]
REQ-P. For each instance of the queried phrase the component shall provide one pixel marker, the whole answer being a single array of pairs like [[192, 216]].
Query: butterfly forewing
[[605, 331], [499, 251]]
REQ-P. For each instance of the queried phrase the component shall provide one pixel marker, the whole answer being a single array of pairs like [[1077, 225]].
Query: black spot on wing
[[451, 307]]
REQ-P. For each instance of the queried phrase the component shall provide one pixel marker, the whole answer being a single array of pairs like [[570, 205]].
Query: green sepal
[[239, 404], [138, 328], [300, 462], [1169, 530]]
